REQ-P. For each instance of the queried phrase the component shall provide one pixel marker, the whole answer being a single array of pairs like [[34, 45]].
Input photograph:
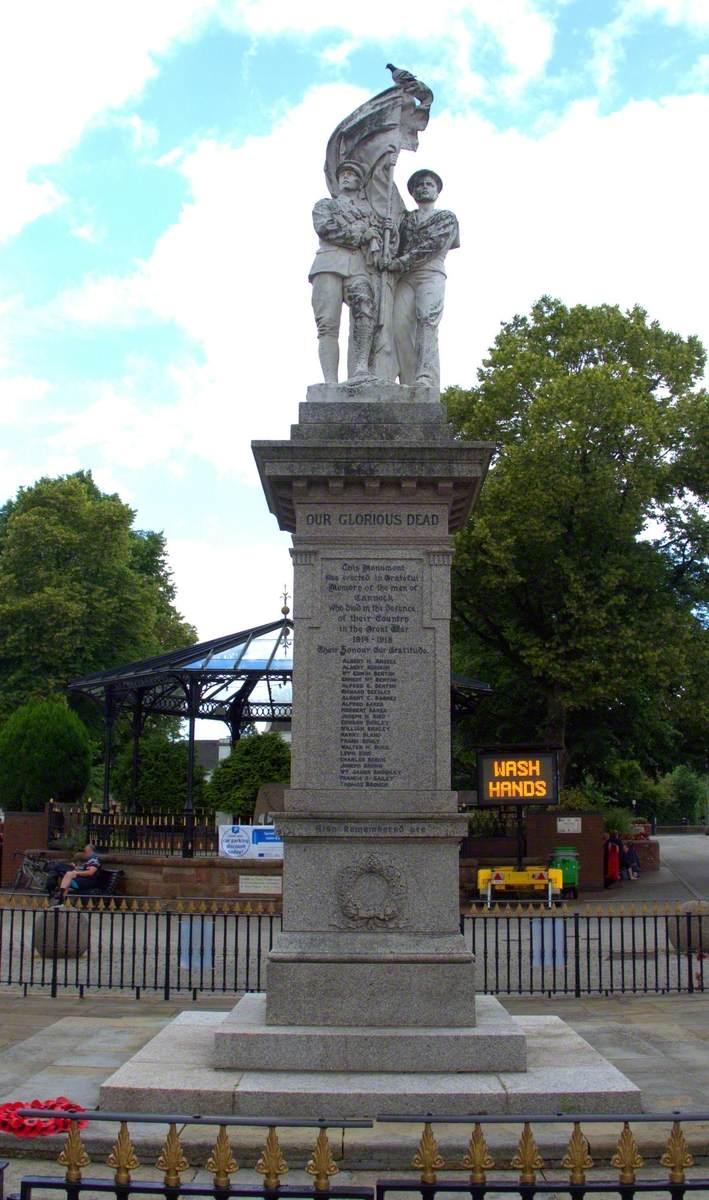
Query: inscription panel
[[363, 519], [374, 662]]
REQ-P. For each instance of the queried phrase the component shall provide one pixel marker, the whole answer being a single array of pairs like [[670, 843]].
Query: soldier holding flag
[[341, 273], [358, 229]]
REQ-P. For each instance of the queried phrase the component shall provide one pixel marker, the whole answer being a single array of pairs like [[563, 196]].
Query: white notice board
[[568, 824], [250, 842]]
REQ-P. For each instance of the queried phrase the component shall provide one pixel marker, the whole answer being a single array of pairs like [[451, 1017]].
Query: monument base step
[[172, 1073], [244, 1041]]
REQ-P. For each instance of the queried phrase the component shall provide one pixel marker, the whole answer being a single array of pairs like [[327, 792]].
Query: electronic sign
[[517, 776]]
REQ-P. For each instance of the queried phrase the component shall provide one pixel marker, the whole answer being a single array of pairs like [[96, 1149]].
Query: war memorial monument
[[371, 1005]]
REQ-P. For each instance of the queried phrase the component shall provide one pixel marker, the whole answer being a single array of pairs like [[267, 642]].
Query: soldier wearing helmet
[[342, 273], [425, 237]]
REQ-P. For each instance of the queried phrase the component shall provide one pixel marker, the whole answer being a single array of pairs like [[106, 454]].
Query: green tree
[[80, 589], [45, 754], [162, 778], [684, 793], [262, 758], [580, 587]]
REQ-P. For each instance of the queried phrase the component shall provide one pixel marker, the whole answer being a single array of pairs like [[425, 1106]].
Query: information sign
[[517, 777], [250, 842], [260, 885]]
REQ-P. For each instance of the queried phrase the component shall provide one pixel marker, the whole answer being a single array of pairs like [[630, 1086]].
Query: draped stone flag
[[373, 135]]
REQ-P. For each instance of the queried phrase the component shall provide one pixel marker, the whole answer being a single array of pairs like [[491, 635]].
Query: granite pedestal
[[370, 1004]]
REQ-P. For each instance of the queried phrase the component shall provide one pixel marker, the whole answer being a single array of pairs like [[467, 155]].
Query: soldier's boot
[[329, 353], [362, 338], [428, 370]]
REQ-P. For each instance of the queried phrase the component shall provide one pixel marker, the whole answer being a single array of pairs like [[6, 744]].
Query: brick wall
[[23, 831], [171, 878], [543, 836]]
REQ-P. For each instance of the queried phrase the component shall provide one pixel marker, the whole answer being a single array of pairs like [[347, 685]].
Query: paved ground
[[70, 1046], [687, 857], [683, 875]]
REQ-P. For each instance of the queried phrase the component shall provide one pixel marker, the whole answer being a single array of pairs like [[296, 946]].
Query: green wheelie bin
[[566, 858]]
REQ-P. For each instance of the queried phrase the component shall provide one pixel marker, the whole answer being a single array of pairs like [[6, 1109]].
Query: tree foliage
[[45, 754], [580, 587], [682, 795], [162, 776], [262, 758], [80, 589]]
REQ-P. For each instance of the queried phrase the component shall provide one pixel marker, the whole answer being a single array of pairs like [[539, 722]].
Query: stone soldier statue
[[344, 271], [425, 237]]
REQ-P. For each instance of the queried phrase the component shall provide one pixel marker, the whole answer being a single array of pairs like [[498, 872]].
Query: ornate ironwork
[[73, 1156], [221, 1165], [427, 1159], [172, 1160], [527, 1160], [122, 1157], [221, 1161], [271, 1163], [322, 1165], [677, 1156], [477, 1157], [577, 1159], [626, 1158]]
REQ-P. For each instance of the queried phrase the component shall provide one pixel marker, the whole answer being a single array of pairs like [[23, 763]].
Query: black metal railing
[[547, 1155], [188, 835], [217, 946], [606, 950], [183, 834]]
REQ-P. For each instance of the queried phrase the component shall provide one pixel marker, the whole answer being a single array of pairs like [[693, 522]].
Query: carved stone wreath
[[360, 914]]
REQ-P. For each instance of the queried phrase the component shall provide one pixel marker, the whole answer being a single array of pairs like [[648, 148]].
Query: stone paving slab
[[646, 1029]]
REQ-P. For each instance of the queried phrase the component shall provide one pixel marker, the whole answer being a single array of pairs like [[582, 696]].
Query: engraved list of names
[[372, 634]]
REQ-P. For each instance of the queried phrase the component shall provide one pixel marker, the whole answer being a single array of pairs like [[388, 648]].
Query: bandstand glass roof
[[240, 678]]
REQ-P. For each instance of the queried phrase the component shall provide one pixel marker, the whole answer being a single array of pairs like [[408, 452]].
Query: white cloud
[[251, 578], [143, 134], [697, 79], [86, 233], [337, 55], [62, 66], [521, 28], [692, 13], [609, 41], [19, 397]]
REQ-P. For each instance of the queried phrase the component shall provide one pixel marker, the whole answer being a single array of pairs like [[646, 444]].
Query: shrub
[[620, 819], [261, 758], [162, 779], [45, 754]]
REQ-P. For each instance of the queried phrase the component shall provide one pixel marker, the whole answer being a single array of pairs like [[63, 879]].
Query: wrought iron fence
[[217, 946], [568, 1163], [187, 835]]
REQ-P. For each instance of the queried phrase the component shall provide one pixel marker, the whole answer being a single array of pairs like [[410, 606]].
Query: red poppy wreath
[[30, 1127]]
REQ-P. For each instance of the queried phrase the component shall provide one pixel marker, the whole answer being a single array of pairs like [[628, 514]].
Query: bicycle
[[33, 874]]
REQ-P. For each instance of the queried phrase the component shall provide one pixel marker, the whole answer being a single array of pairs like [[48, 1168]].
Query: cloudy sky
[[160, 159]]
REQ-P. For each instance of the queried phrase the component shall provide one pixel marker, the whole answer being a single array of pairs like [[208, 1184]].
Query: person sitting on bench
[[82, 878]]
